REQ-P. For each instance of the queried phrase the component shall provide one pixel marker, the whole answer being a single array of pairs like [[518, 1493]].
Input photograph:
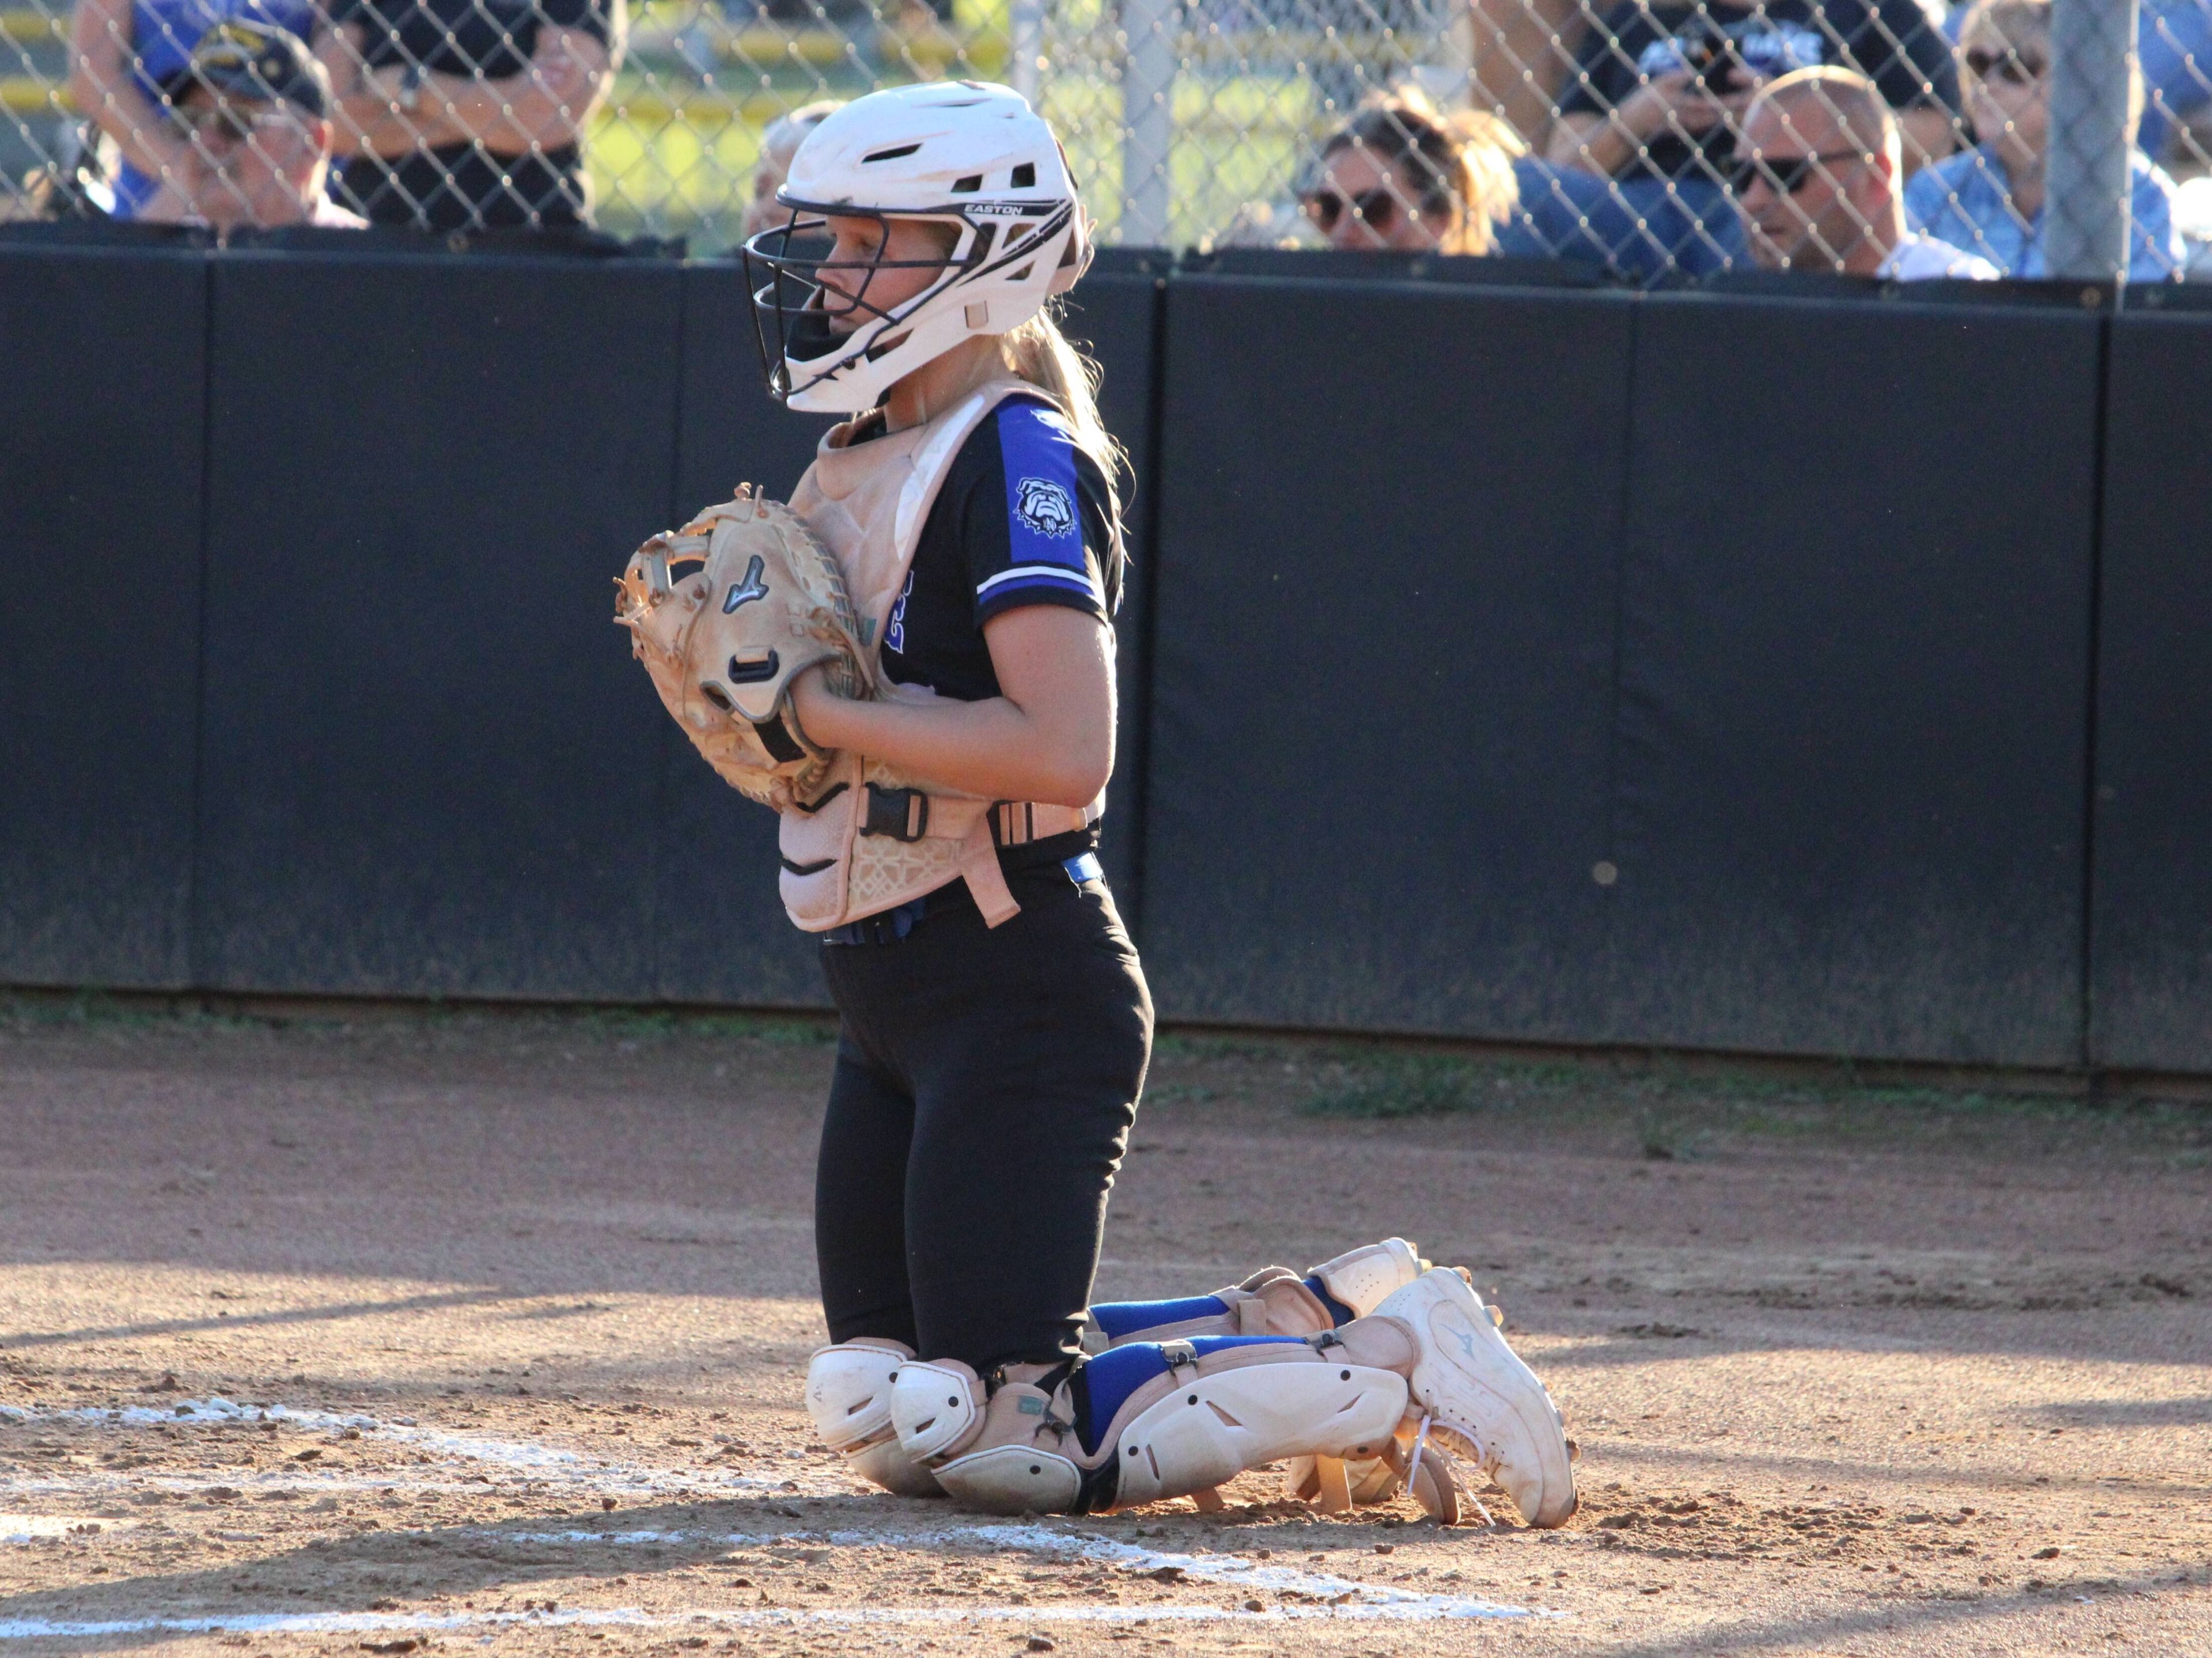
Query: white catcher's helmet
[[969, 155]]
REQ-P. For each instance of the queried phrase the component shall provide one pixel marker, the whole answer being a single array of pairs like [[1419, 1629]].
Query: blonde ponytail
[[1040, 354]]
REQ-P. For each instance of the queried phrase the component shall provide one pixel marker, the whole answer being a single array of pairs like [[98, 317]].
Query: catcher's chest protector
[[869, 839]]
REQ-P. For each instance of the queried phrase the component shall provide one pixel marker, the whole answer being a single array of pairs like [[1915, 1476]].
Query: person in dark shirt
[[469, 114], [1660, 86], [994, 1025]]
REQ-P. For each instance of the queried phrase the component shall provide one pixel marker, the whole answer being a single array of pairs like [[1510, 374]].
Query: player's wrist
[[823, 715]]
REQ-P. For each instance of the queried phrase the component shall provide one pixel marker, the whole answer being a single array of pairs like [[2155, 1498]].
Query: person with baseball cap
[[128, 66], [255, 107]]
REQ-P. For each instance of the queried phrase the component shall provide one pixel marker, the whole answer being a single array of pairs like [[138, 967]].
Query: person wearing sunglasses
[[1401, 175], [1815, 180], [254, 109], [1989, 199]]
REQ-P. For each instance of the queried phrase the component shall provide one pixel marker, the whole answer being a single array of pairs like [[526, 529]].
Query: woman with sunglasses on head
[[1402, 176], [994, 1022], [1989, 200]]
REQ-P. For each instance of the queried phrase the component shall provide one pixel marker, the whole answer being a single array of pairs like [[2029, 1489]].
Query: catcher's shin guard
[[1482, 1402], [849, 1395], [1273, 1302], [1158, 1420]]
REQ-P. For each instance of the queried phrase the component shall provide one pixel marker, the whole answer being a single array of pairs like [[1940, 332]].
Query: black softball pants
[[987, 1080]]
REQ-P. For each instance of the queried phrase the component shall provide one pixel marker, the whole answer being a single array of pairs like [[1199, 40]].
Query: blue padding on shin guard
[[1337, 1310], [1125, 1318], [1114, 1375]]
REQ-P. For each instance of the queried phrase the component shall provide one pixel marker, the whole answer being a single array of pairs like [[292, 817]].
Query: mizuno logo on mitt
[[744, 593]]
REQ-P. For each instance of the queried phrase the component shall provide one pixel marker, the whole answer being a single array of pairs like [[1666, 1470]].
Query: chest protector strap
[[870, 838]]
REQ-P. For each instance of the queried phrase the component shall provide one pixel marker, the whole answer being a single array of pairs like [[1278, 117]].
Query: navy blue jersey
[[1024, 518]]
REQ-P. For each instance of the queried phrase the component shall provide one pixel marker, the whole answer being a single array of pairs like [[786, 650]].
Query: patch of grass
[[775, 1029], [1385, 1084], [1160, 1095], [99, 1009], [1260, 1051], [435, 1017]]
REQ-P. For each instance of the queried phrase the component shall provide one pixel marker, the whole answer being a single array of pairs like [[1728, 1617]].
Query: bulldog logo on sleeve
[[1045, 506]]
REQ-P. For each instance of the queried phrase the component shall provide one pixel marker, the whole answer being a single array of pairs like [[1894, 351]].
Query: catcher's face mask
[[827, 290], [841, 320]]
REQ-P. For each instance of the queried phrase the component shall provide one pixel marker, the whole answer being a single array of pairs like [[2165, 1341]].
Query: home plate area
[[373, 1534]]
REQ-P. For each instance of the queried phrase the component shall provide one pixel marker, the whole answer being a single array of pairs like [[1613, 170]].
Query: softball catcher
[[913, 664]]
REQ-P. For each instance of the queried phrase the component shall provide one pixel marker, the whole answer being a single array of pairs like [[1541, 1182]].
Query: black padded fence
[[1684, 671], [426, 768], [2152, 987], [1384, 655], [1853, 696], [1541, 663], [99, 487]]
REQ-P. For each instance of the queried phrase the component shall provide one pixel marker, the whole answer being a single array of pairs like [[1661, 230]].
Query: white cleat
[[1484, 1403], [1361, 1279]]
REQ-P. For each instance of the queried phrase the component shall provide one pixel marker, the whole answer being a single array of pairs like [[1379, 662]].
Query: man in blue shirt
[[1989, 200]]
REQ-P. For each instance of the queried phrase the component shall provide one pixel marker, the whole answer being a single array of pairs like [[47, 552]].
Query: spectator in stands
[[778, 145], [127, 63], [1661, 85], [1399, 175], [256, 107], [2173, 43], [1989, 199], [1817, 178], [470, 114]]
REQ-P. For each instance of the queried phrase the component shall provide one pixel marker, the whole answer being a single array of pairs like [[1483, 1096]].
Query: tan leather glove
[[723, 643]]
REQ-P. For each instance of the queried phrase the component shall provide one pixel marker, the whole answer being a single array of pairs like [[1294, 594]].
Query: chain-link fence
[[1655, 138]]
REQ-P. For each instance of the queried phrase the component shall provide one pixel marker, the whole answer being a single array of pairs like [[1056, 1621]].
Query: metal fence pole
[[1148, 120], [2085, 180], [1027, 28]]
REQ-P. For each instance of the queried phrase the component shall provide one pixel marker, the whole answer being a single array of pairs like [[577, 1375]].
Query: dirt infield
[[486, 1332]]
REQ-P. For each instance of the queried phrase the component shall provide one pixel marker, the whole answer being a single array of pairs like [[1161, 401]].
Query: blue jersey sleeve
[[1037, 533]]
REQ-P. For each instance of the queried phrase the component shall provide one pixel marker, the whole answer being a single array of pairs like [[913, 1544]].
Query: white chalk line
[[1224, 1569], [544, 1464], [370, 1623], [40, 1527], [1231, 1570], [1228, 1570]]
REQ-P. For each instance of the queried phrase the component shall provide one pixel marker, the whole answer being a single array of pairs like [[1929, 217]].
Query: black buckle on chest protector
[[900, 814]]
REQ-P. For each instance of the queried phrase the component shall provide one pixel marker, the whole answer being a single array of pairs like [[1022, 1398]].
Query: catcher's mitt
[[723, 643]]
